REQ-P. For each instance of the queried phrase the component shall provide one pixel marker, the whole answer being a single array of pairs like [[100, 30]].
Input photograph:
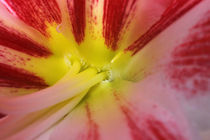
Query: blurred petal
[[179, 59], [123, 114], [173, 12], [206, 135]]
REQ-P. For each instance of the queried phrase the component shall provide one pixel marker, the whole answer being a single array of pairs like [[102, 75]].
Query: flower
[[104, 69]]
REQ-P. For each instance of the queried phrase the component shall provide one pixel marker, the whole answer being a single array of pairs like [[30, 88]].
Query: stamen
[[117, 56], [53, 95], [43, 121], [75, 68]]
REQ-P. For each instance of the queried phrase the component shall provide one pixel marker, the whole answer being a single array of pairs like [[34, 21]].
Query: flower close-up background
[[104, 69]]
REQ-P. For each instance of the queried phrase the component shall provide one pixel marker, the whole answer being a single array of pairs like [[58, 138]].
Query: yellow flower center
[[91, 54]]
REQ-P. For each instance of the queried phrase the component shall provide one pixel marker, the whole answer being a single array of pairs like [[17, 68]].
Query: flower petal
[[205, 135], [63, 90], [175, 10], [32, 125], [35, 13], [125, 115], [25, 51], [104, 27], [17, 47], [15, 40], [179, 58], [77, 16]]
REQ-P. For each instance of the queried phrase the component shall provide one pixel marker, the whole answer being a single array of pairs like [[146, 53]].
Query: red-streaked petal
[[173, 12], [116, 18], [15, 40], [77, 14], [188, 71], [179, 59], [126, 116], [19, 78], [14, 72], [22, 67], [190, 64], [24, 51], [103, 27], [124, 20], [136, 20], [35, 13], [135, 117], [17, 48], [19, 36]]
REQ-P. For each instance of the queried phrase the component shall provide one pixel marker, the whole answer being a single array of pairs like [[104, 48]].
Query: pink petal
[[178, 58], [29, 127], [175, 10], [124, 115]]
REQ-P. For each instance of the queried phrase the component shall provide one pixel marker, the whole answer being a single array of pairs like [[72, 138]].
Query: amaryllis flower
[[104, 69]]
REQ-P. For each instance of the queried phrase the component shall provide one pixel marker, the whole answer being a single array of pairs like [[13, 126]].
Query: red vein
[[78, 20], [36, 12], [176, 9], [93, 133], [19, 78], [115, 19], [189, 68], [146, 128], [17, 41]]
